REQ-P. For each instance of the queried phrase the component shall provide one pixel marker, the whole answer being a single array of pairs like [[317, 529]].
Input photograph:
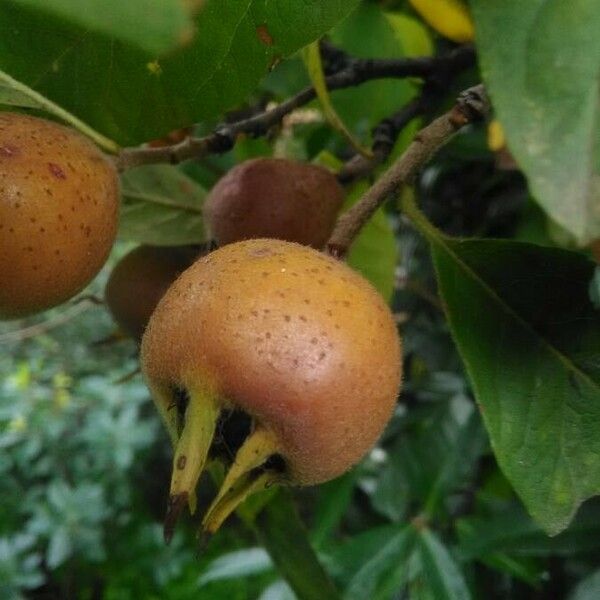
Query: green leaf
[[439, 571], [588, 589], [345, 559], [103, 70], [432, 459], [541, 61], [334, 498], [513, 531], [15, 93], [368, 33], [147, 24], [530, 339], [374, 252], [286, 540], [385, 570], [241, 563], [459, 461], [411, 34], [161, 206]]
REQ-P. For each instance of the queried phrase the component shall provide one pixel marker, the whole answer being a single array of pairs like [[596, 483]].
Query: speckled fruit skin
[[58, 213], [274, 198], [294, 338], [140, 279]]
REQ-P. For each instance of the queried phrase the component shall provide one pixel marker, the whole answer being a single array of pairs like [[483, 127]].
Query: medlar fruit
[[274, 198], [140, 279], [59, 199], [276, 358]]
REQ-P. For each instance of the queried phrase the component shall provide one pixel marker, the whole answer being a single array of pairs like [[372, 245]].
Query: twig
[[386, 132], [384, 137], [357, 71], [472, 105]]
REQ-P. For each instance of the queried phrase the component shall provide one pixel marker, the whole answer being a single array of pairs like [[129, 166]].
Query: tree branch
[[386, 132], [472, 105], [356, 71]]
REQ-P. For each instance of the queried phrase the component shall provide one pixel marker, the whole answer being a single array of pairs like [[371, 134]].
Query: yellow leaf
[[450, 18], [495, 136], [413, 36]]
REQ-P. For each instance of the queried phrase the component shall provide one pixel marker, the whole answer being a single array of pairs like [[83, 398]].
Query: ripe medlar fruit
[[140, 279], [276, 358], [274, 198], [59, 198]]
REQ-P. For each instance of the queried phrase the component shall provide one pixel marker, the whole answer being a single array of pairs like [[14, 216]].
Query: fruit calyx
[[198, 429]]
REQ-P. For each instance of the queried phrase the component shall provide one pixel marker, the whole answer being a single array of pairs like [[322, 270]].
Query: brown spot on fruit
[[274, 198], [35, 195], [56, 171]]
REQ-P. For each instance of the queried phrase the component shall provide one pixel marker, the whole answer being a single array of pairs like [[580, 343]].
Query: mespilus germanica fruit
[[274, 198], [140, 279], [275, 358], [58, 213]]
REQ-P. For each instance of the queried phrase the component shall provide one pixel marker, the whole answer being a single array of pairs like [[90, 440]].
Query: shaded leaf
[[530, 339], [385, 570], [15, 93], [161, 206], [439, 571], [334, 497], [540, 61], [113, 76], [514, 532]]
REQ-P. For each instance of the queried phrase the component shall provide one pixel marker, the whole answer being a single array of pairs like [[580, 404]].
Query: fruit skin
[[140, 279], [274, 198], [59, 199], [294, 338]]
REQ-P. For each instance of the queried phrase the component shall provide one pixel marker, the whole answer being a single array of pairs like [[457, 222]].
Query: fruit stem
[[247, 475]]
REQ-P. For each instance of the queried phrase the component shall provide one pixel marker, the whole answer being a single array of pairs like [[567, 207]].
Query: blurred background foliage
[[84, 461]]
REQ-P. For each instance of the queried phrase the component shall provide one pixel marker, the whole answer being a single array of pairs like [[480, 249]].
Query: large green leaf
[[152, 26], [541, 64], [530, 339], [101, 71], [161, 206], [286, 540]]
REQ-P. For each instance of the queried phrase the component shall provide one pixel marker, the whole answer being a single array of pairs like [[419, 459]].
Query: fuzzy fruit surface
[[140, 279], [59, 200], [290, 336], [274, 198]]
